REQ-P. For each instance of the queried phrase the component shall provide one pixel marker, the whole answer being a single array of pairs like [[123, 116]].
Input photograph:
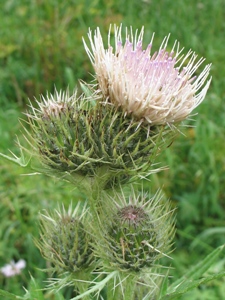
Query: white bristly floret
[[161, 88]]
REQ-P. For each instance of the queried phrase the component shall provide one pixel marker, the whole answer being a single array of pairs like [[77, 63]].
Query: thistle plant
[[103, 141]]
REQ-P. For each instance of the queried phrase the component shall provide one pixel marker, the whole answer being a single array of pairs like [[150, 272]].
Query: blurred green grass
[[40, 49]]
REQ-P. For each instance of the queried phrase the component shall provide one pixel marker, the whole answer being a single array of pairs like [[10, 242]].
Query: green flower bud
[[136, 232], [86, 138], [64, 241]]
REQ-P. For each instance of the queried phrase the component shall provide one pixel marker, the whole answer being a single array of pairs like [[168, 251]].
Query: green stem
[[121, 289], [113, 290], [129, 288], [83, 287]]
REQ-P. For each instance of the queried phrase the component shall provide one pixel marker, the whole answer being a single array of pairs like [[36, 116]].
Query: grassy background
[[41, 48]]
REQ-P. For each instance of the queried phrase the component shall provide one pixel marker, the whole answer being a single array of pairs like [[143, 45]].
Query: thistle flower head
[[64, 241], [77, 140], [160, 88], [137, 231]]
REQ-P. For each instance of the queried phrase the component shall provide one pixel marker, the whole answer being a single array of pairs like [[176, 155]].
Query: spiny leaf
[[192, 278], [9, 296], [21, 161]]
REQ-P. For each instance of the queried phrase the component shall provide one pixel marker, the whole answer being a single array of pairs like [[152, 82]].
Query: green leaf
[[35, 291], [9, 296], [97, 287], [198, 270], [192, 278], [164, 286], [85, 89], [88, 94], [189, 285], [59, 296], [17, 160]]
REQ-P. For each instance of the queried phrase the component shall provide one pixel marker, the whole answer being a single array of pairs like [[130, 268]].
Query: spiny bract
[[76, 136]]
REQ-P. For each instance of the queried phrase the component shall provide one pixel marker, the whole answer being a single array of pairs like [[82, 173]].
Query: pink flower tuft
[[161, 88]]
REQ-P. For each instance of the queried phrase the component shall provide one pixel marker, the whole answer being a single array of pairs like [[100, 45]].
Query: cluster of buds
[[132, 233]]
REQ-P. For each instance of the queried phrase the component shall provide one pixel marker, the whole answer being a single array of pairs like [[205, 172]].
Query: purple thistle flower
[[161, 88]]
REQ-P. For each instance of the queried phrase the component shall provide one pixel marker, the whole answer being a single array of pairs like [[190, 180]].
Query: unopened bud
[[71, 136], [64, 241], [139, 232]]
